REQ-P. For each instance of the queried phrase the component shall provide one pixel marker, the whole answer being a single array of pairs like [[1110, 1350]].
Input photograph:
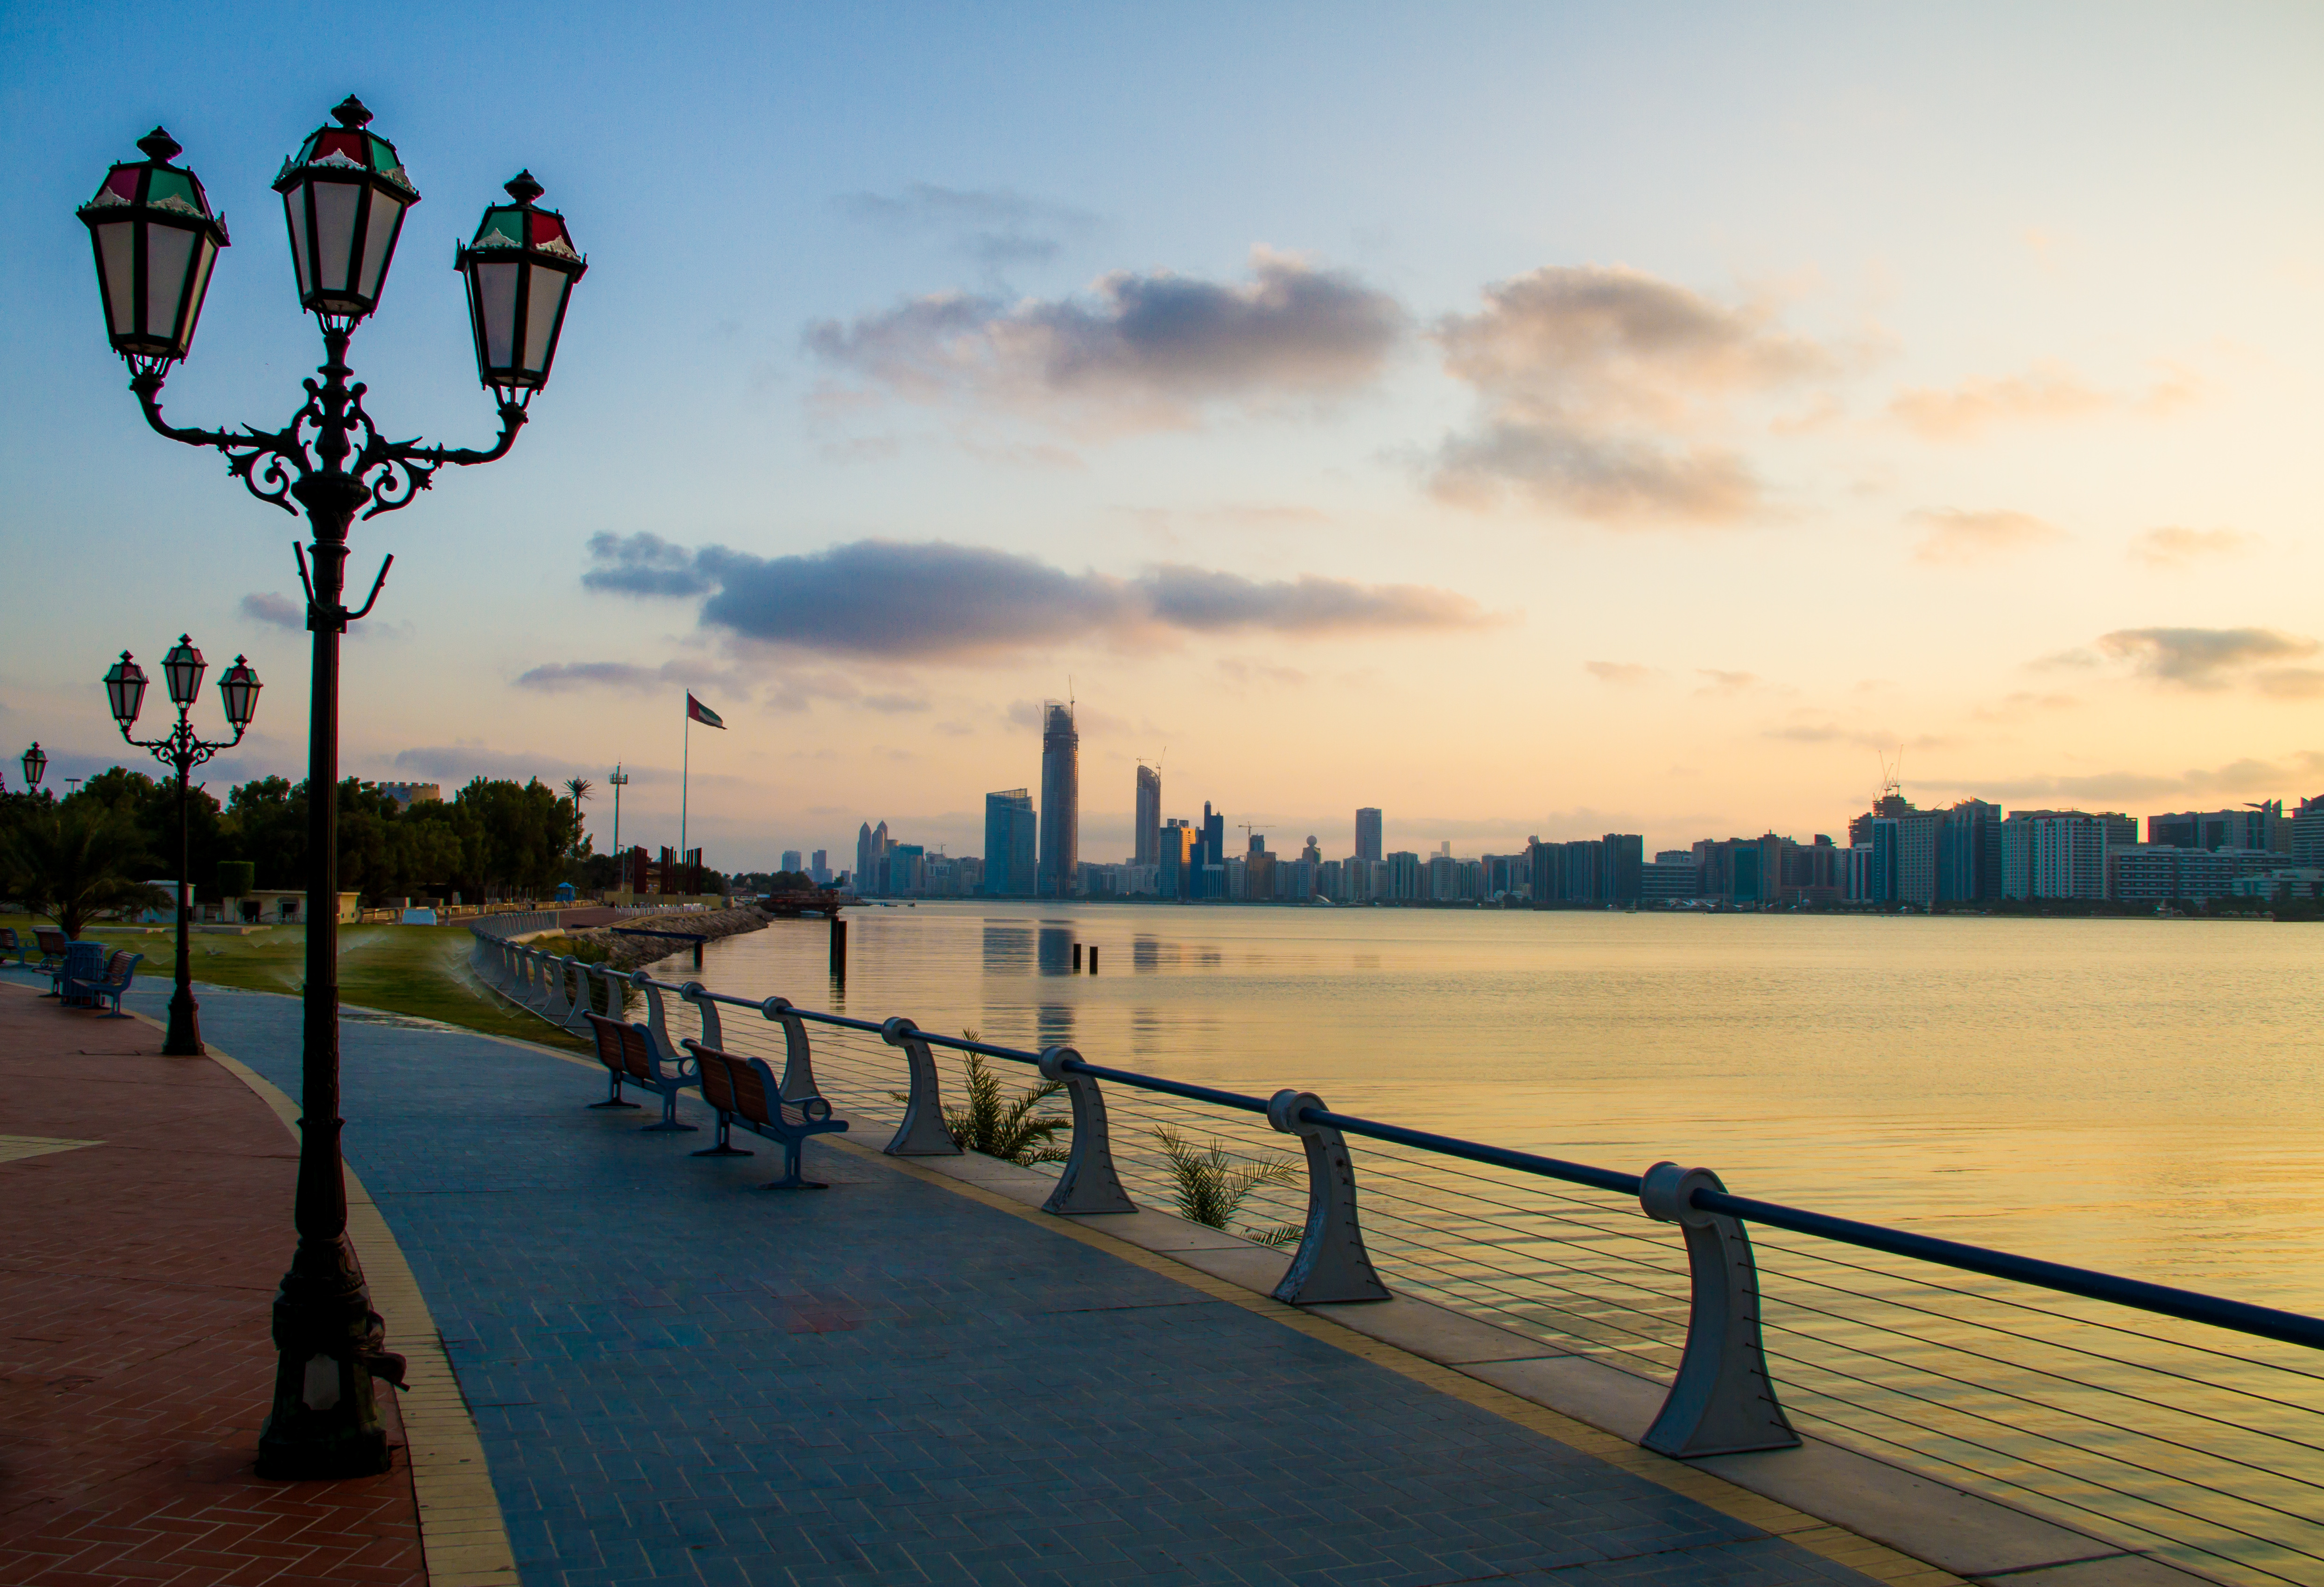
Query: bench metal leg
[[725, 1148], [669, 1117], [614, 1100], [791, 1179]]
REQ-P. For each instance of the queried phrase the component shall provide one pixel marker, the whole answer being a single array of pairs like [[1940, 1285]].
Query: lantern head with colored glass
[[521, 266], [155, 240], [238, 689], [125, 691], [35, 764], [184, 667], [344, 195]]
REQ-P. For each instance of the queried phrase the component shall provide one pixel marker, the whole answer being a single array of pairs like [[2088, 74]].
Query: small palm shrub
[[1211, 1187], [1011, 1129]]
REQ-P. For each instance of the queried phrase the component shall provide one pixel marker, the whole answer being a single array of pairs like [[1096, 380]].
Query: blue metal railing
[[2215, 1523]]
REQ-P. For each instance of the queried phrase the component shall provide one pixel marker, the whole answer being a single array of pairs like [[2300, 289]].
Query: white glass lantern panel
[[496, 310], [541, 311], [294, 211], [204, 255], [117, 245], [169, 256], [379, 236], [334, 234]]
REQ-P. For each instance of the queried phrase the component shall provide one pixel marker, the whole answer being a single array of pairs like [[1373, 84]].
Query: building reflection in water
[[1052, 1025], [1057, 950], [1008, 950]]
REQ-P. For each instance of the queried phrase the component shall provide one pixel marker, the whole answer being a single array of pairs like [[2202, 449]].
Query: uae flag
[[701, 712]]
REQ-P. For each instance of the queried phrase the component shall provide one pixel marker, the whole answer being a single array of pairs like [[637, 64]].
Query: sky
[[1528, 420]]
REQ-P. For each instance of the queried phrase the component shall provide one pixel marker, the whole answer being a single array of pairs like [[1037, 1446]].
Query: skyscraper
[[1149, 832], [1368, 833], [1010, 843], [1061, 801], [792, 861]]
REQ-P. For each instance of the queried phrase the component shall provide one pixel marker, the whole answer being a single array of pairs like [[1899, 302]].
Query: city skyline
[[1540, 421]]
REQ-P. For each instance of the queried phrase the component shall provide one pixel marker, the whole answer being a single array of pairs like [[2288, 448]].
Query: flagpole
[[684, 765]]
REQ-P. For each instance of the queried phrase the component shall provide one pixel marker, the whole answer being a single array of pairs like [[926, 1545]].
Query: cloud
[[1827, 733], [934, 600], [1136, 351], [2017, 706], [2244, 776], [1622, 674], [275, 611], [1726, 683], [2044, 394], [2206, 658], [995, 227], [896, 703], [565, 676], [642, 565], [2173, 547], [1245, 672], [1596, 386], [1957, 539]]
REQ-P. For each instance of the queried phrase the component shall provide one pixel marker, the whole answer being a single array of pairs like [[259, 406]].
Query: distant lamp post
[[620, 780], [125, 695], [35, 764], [345, 195]]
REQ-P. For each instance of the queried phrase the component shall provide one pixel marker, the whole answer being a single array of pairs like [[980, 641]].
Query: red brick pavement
[[134, 1364]]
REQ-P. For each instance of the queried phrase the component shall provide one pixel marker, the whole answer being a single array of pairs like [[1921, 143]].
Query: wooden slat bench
[[627, 1052], [743, 1091]]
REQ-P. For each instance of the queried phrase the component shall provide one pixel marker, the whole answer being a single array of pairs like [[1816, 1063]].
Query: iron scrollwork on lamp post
[[344, 194], [124, 694]]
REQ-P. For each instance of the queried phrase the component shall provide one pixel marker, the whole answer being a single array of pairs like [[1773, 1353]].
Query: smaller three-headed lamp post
[[124, 693], [345, 195]]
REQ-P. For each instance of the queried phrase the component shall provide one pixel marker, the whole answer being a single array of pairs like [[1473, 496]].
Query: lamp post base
[[326, 1421], [184, 1039]]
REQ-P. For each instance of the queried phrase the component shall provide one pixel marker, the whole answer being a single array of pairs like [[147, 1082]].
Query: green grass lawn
[[418, 970]]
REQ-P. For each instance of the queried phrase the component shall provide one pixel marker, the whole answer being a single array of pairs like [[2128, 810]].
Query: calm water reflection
[[2142, 1095]]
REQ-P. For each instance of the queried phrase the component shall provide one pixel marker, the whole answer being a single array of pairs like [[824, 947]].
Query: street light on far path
[[345, 195], [124, 694]]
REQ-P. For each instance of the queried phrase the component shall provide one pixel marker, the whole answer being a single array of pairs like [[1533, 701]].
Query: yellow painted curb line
[[463, 1538]]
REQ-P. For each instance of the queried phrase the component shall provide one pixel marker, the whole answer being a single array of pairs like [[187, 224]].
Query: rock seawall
[[629, 953]]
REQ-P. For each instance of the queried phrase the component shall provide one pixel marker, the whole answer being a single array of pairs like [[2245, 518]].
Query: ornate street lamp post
[[35, 764], [344, 194], [124, 693]]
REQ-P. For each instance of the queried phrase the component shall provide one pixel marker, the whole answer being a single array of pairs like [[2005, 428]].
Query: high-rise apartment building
[[2306, 846], [1176, 875], [1368, 833], [1010, 828], [1147, 833], [792, 861], [871, 847], [819, 868], [1061, 801], [2060, 854], [2260, 825]]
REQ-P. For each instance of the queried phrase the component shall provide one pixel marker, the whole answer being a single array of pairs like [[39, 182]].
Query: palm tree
[[576, 788], [73, 860], [1011, 1131], [1211, 1189]]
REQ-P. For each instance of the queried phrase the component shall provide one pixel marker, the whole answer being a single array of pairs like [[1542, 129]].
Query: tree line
[[493, 839]]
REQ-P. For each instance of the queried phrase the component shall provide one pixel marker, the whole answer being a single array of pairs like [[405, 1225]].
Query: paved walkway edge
[[463, 1537]]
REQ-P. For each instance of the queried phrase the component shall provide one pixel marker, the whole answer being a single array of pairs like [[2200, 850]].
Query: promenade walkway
[[143, 1226], [678, 1379]]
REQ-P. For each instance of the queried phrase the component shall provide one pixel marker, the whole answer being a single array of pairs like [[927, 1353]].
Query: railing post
[[798, 1060], [575, 1012], [713, 1035], [657, 1022], [1089, 1184], [1722, 1402], [1332, 1263], [922, 1133], [555, 1008]]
